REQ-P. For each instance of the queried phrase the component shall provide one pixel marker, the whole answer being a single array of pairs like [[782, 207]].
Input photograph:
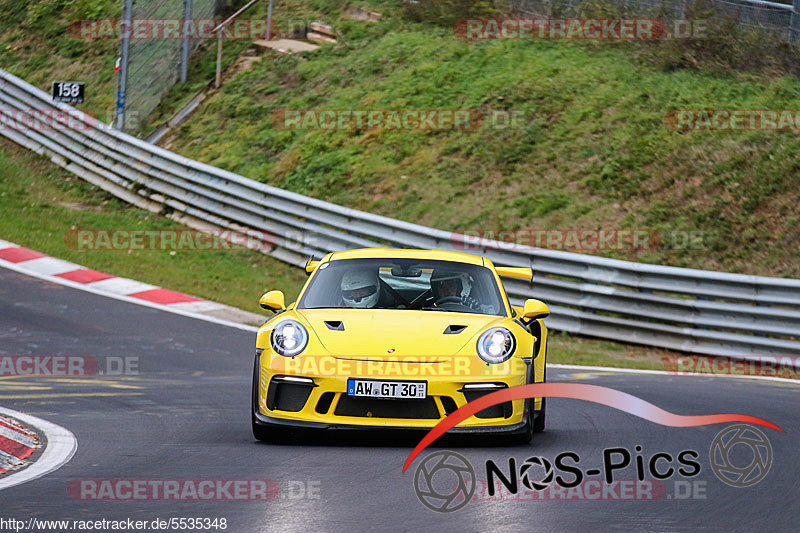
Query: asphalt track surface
[[185, 416]]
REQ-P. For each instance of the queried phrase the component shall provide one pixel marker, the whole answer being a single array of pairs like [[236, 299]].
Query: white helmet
[[439, 276], [360, 288]]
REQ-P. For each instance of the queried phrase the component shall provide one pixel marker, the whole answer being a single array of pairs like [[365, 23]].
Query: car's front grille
[[324, 403], [283, 396], [395, 408], [449, 404], [501, 410]]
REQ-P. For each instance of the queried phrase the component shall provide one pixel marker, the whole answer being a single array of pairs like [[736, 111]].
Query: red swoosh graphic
[[579, 391]]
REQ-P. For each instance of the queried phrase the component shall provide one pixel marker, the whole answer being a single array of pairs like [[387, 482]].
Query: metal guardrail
[[677, 308]]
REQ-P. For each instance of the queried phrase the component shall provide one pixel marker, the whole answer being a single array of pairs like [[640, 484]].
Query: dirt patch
[[77, 206]]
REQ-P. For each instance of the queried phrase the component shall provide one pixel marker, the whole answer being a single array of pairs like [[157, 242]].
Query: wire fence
[[154, 65], [779, 19]]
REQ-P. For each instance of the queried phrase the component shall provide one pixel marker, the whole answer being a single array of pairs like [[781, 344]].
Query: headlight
[[496, 345], [289, 338]]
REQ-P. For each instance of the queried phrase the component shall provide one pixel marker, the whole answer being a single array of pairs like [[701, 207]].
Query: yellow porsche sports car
[[389, 339]]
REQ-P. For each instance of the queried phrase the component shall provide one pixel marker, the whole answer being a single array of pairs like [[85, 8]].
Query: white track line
[[138, 301], [197, 307], [61, 446]]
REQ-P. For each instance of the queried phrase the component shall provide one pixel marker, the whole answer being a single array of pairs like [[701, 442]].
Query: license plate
[[370, 388]]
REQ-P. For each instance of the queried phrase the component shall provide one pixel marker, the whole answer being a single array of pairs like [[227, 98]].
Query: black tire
[[539, 417], [526, 435], [261, 433]]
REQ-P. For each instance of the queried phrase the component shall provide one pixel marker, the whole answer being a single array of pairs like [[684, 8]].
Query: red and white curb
[[20, 439], [37, 264], [17, 444]]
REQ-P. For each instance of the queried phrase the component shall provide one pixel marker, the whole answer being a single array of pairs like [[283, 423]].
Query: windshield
[[404, 284]]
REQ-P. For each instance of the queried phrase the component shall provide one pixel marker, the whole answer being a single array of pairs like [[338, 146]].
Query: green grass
[[41, 204], [36, 45], [591, 152], [564, 348]]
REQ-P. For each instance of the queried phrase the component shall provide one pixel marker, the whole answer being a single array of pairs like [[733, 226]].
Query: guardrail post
[[219, 29], [122, 82], [268, 36], [218, 79], [187, 16]]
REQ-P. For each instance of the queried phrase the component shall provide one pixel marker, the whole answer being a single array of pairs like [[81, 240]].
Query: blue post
[[269, 21], [187, 16], [122, 82]]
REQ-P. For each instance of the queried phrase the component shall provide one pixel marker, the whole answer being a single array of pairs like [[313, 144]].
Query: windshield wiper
[[433, 309]]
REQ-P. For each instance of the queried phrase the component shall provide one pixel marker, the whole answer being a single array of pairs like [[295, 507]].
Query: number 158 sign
[[68, 91]]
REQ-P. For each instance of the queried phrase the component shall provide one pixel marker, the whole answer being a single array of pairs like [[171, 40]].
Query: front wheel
[[526, 435], [262, 433]]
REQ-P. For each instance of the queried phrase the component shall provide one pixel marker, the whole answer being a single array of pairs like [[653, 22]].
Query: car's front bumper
[[270, 421], [325, 405]]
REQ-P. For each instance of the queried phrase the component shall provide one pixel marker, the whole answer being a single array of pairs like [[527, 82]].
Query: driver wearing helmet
[[452, 287], [360, 289]]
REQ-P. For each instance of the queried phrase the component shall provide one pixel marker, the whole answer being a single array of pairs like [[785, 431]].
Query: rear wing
[[515, 272]]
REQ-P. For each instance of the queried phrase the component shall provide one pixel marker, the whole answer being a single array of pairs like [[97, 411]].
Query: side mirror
[[515, 272], [273, 301], [311, 265], [535, 309]]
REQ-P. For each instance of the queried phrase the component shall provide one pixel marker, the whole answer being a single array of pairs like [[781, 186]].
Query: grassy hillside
[[40, 204], [37, 45], [592, 151]]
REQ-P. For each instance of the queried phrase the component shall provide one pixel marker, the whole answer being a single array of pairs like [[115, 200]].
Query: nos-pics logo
[[445, 481]]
